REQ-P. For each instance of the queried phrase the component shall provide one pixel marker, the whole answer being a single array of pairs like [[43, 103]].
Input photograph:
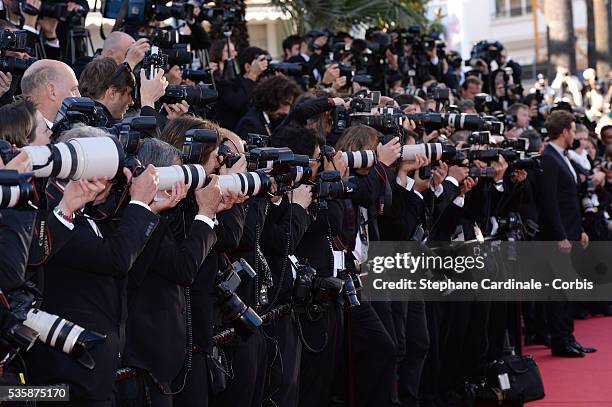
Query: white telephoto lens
[[359, 159], [193, 175], [95, 157], [248, 183], [9, 196]]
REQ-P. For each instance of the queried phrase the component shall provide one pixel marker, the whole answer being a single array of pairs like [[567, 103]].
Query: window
[[512, 8]]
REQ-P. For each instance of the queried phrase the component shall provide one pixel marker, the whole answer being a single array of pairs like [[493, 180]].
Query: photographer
[[228, 232], [235, 94], [373, 340], [286, 222], [291, 47], [47, 83], [312, 55], [85, 281], [120, 47], [156, 305], [24, 15], [16, 227], [519, 113], [222, 57], [272, 101], [111, 87], [470, 87]]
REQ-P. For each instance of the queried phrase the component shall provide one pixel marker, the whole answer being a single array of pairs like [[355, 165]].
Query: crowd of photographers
[[183, 223]]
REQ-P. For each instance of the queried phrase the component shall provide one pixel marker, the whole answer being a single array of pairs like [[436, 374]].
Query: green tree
[[343, 14]]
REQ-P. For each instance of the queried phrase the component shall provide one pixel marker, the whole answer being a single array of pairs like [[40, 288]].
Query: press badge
[[294, 264], [504, 381], [338, 262]]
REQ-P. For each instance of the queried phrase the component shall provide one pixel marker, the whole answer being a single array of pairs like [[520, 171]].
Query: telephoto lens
[[194, 177], [433, 151], [79, 158], [64, 335], [14, 188], [247, 183], [199, 95], [359, 159], [241, 314], [15, 65], [476, 172]]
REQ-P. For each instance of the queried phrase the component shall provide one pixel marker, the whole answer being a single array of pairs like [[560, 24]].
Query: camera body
[[244, 318], [195, 139], [330, 185]]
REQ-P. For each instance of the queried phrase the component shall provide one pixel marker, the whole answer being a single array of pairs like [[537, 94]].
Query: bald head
[[47, 83], [116, 46]]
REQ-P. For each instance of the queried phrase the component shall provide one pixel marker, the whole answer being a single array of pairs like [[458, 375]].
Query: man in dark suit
[[561, 221], [156, 329], [272, 100], [85, 282]]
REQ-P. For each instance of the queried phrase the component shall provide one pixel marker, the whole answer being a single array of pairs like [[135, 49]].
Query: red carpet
[[582, 382]]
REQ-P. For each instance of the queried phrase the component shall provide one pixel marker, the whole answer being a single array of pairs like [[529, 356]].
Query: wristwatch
[[61, 214]]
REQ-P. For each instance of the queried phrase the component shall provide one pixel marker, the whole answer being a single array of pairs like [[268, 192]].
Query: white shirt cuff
[[453, 180], [409, 183], [459, 201], [30, 29], [438, 191], [69, 225], [206, 220], [144, 205]]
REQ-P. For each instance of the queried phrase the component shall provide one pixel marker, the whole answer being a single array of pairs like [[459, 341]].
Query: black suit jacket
[[285, 225], [15, 236], [203, 291], [85, 282], [559, 208], [233, 102], [156, 326], [252, 122]]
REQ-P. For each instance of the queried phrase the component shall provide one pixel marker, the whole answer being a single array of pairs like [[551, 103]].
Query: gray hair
[[465, 105], [34, 79], [157, 152], [80, 130]]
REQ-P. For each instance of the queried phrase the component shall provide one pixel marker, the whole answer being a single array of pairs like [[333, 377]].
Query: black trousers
[[249, 361], [374, 354], [430, 387], [195, 393], [319, 356], [560, 323], [141, 391], [410, 367], [284, 356]]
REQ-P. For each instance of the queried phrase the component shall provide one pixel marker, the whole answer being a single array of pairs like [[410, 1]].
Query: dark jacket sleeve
[[118, 249], [286, 230], [180, 262], [230, 228], [406, 213], [309, 108], [371, 187], [16, 227], [547, 199], [249, 124], [199, 38]]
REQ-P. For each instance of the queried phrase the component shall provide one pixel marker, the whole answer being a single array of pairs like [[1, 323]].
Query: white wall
[[469, 21]]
